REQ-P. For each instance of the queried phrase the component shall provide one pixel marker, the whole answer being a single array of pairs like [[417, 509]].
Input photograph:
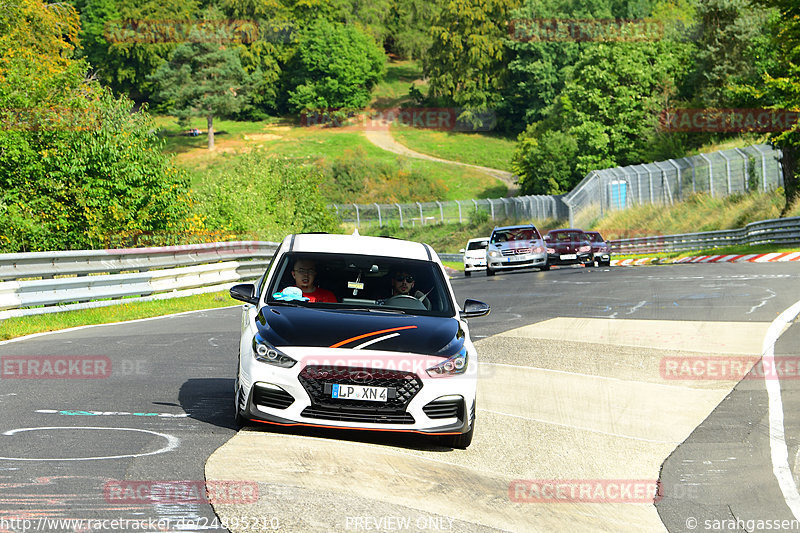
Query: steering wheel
[[405, 301]]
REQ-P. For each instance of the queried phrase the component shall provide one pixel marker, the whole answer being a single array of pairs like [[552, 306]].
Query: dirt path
[[383, 139]]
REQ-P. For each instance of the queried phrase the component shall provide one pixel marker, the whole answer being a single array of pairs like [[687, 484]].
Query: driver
[[402, 285]]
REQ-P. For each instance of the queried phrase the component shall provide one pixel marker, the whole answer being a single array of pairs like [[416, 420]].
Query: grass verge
[[26, 325], [484, 149]]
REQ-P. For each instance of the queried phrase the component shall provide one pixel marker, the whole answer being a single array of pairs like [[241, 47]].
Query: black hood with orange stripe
[[355, 329]]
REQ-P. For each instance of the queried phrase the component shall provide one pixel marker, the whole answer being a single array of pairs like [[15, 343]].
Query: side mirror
[[244, 292], [474, 308]]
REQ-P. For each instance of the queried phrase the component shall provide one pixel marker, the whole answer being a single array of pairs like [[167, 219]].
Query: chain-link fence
[[722, 173], [461, 211], [740, 170]]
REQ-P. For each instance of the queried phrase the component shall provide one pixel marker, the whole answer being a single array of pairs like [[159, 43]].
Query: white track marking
[[764, 301], [172, 443], [777, 435]]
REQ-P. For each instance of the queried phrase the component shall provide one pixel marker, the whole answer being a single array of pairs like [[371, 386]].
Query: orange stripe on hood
[[365, 335]]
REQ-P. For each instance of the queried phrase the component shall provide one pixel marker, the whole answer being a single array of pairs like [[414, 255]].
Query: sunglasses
[[408, 279]]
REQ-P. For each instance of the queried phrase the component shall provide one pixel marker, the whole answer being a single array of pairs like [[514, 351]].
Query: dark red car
[[601, 250], [568, 247]]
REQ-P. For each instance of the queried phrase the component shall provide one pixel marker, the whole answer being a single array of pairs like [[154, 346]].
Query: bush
[[354, 178], [265, 198], [545, 163], [89, 183]]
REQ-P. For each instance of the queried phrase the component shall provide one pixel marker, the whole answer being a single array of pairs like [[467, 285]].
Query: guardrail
[[774, 231], [83, 279]]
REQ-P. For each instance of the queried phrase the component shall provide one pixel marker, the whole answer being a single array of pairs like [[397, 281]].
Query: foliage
[[466, 62], [336, 67], [265, 198], [544, 162], [407, 23], [76, 165], [82, 187], [353, 178], [124, 43]]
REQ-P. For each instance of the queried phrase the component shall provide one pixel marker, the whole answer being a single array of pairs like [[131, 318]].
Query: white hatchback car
[[475, 255], [356, 355]]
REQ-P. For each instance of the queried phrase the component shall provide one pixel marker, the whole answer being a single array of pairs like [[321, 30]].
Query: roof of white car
[[356, 244], [478, 239]]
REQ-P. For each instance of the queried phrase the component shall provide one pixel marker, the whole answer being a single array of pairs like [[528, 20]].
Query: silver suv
[[512, 247]]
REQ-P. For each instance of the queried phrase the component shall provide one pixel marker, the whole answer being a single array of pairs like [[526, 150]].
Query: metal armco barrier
[[774, 231], [96, 278]]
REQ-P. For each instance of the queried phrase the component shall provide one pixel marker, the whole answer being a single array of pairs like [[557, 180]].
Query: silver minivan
[[512, 247]]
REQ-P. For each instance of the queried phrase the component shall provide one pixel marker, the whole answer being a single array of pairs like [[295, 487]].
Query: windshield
[[515, 234], [360, 282], [477, 245], [568, 236]]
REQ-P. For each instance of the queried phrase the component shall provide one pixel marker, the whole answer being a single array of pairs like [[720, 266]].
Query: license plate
[[360, 392], [565, 257]]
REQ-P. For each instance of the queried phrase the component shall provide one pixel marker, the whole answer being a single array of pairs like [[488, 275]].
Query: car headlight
[[267, 353], [451, 366], [585, 249], [494, 253], [538, 250]]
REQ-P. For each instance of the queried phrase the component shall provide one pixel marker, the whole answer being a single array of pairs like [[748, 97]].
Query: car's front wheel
[[544, 268], [238, 419], [489, 271], [467, 273]]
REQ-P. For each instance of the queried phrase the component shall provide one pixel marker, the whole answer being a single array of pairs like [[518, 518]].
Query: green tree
[[407, 27], [732, 49], [203, 78], [76, 165], [466, 63], [336, 66], [545, 162], [127, 41], [780, 89]]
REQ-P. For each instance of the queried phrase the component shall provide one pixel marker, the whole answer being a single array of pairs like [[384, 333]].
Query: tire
[[238, 419], [605, 263], [467, 273], [489, 271], [545, 268], [460, 442]]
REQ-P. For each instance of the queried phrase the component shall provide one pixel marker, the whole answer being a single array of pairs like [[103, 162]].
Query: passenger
[[304, 273]]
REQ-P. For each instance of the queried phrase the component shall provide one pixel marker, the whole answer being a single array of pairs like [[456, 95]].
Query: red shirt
[[320, 295]]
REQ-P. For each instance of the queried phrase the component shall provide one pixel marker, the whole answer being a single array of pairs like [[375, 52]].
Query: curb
[[774, 257]]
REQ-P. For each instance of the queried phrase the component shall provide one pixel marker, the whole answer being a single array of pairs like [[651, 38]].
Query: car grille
[[405, 384], [445, 409], [269, 397], [355, 414], [517, 251]]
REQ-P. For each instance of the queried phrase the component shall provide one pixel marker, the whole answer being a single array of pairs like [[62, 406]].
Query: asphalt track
[[573, 389]]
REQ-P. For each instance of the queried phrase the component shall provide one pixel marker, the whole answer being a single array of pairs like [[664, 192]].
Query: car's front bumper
[[557, 259], [474, 265], [602, 256], [510, 262], [309, 408]]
